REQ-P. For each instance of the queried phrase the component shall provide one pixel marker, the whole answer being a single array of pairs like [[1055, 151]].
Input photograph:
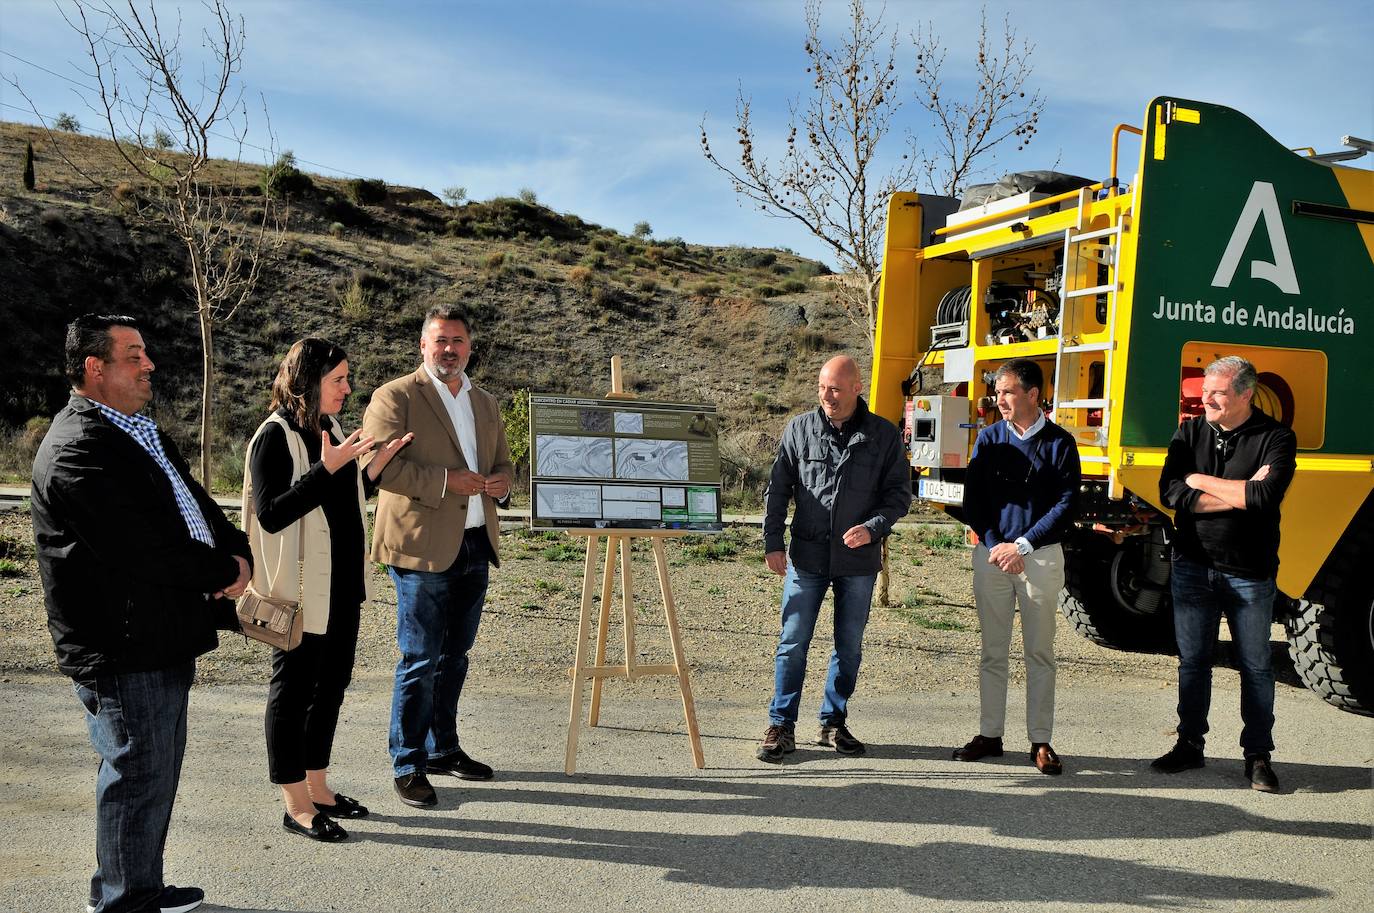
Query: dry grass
[[645, 302]]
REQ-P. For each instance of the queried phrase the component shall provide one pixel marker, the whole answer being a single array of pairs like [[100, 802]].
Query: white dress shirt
[[1023, 545], [459, 410]]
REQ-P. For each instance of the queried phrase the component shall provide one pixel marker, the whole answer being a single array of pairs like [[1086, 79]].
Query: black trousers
[[307, 690]]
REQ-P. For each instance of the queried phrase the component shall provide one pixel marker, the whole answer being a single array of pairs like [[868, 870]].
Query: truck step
[[1091, 235], [1094, 290], [1089, 347], [1084, 404]]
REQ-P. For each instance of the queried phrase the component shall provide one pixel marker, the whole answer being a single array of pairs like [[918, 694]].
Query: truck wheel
[[1331, 631], [1114, 595]]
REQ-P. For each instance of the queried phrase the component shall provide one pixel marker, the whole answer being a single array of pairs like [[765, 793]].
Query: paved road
[[903, 828]]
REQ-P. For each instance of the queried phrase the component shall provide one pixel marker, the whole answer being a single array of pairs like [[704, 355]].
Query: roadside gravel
[[727, 606]]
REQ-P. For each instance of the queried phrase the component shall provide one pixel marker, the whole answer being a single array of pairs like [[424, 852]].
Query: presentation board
[[623, 464]]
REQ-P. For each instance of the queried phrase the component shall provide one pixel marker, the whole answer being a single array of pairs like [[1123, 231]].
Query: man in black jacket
[[847, 472], [1225, 475], [137, 562]]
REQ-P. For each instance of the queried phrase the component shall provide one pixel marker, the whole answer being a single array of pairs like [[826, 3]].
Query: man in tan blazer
[[436, 531]]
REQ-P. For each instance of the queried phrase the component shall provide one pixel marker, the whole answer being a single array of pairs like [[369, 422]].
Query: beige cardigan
[[279, 568]]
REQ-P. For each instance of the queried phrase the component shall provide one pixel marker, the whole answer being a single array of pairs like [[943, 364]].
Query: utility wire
[[232, 139]]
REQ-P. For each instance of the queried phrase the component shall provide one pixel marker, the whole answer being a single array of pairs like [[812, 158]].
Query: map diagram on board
[[566, 455], [663, 460], [616, 463]]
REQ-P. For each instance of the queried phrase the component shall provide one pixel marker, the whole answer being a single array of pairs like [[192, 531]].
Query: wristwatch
[[1023, 547]]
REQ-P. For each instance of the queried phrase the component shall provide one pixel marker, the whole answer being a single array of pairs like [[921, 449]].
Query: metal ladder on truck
[[1097, 246]]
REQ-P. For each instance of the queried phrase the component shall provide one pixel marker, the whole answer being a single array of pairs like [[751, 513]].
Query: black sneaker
[[841, 738], [179, 900], [415, 791], [1261, 775], [173, 900], [460, 765], [777, 741], [1183, 756]]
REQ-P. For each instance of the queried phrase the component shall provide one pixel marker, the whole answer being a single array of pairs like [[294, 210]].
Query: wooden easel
[[597, 672]]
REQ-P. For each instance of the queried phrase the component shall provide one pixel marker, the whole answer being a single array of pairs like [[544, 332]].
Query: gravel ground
[[727, 607], [901, 828]]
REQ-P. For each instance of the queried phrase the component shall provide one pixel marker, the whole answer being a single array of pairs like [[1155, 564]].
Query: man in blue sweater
[[1019, 496]]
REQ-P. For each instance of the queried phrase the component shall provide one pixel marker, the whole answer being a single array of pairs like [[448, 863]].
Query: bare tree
[[828, 176], [832, 180], [161, 118], [968, 131], [831, 176]]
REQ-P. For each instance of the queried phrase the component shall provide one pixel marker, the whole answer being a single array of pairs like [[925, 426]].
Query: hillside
[[554, 297]]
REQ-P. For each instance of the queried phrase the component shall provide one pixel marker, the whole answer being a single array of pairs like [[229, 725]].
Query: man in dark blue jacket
[[1023, 477], [1224, 477], [847, 473], [136, 561]]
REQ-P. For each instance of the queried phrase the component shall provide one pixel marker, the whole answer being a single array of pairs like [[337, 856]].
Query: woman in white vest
[[303, 497]]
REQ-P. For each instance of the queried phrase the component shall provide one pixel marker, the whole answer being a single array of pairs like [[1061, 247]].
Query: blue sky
[[595, 104]]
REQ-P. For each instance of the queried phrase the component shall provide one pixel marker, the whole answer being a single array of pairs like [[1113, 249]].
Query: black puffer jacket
[[837, 484], [125, 584]]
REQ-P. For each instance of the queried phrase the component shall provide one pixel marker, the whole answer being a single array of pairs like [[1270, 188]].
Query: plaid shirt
[[144, 431]]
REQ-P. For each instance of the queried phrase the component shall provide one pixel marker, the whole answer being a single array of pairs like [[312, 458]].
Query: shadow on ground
[[947, 869]]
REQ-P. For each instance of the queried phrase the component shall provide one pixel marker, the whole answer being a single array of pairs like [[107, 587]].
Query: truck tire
[[1108, 598], [1331, 630]]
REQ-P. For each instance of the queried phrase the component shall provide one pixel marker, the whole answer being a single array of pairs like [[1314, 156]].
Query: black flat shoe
[[322, 828], [343, 807]]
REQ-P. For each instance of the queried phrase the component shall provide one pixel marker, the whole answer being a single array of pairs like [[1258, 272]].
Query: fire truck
[[1123, 290]]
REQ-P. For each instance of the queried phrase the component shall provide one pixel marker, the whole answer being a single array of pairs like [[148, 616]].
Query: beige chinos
[[997, 595]]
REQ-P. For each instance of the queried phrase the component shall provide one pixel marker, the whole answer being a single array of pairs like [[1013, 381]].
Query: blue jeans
[[802, 594], [437, 613], [1201, 596], [137, 722]]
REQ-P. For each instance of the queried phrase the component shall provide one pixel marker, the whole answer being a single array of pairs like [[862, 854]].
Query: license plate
[[941, 491]]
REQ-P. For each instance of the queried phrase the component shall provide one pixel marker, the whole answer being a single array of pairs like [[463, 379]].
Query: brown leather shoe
[[979, 748], [1045, 760], [415, 791]]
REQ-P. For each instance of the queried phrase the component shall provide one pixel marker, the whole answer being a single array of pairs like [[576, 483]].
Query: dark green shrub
[[366, 191], [794, 286], [604, 298], [766, 291], [283, 180], [751, 259], [706, 289], [504, 217], [344, 212]]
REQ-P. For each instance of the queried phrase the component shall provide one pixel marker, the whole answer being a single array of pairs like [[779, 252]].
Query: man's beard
[[454, 369]]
